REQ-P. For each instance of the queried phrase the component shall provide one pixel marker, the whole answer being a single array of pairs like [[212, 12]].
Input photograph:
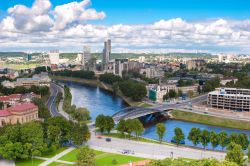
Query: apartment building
[[230, 98]]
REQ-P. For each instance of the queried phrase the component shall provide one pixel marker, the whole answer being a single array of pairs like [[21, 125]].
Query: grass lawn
[[146, 105], [54, 153], [29, 162], [58, 164], [103, 158], [210, 120], [118, 135]]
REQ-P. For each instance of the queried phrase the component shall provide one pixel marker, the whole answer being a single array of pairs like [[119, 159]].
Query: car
[[99, 137], [205, 112], [108, 139]]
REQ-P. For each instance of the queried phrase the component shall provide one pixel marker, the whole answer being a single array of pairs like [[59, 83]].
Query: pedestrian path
[[56, 157], [6, 163]]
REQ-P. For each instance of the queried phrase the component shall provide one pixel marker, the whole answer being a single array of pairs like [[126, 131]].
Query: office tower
[[106, 54], [86, 56], [54, 57]]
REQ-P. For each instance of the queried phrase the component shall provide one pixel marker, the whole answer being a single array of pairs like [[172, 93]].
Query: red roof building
[[20, 113]]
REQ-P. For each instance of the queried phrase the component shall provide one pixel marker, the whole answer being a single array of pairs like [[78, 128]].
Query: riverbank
[[209, 120], [97, 83]]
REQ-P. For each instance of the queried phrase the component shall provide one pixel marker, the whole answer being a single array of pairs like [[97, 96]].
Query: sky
[[160, 26]]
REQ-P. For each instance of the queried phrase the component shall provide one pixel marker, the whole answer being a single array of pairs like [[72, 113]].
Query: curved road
[[51, 103]]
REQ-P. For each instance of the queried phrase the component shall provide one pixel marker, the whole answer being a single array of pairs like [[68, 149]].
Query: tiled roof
[[4, 113], [22, 107]]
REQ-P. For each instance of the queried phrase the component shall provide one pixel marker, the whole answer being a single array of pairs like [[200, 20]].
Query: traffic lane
[[153, 150]]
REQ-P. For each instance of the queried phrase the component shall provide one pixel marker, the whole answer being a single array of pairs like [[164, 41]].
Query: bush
[[114, 162]]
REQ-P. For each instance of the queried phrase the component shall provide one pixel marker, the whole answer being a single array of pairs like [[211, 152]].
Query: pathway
[[56, 157], [6, 163]]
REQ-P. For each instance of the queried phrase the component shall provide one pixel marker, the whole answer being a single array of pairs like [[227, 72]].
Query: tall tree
[[99, 122], [109, 123], [214, 139], [160, 129], [223, 139], [194, 136], [179, 136], [235, 154], [172, 93], [248, 154], [205, 138], [138, 127], [121, 126], [85, 157]]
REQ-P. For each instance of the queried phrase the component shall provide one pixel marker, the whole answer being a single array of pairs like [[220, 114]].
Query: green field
[[103, 158], [54, 153], [20, 66], [58, 164], [29, 162], [210, 120]]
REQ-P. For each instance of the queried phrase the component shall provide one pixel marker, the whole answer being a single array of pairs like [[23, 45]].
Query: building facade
[[54, 57], [197, 64], [22, 113], [106, 54], [119, 66], [230, 98]]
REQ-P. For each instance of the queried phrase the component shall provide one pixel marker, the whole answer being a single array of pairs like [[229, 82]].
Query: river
[[99, 101]]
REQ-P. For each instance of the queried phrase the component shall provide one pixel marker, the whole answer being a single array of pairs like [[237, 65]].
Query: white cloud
[[66, 27], [75, 12]]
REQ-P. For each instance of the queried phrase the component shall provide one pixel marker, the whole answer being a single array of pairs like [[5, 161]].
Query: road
[[150, 150], [51, 103]]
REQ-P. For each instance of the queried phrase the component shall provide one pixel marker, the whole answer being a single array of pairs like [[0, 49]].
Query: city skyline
[[132, 26]]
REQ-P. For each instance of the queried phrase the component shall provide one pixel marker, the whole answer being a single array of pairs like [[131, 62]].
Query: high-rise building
[[54, 57], [106, 54], [86, 55], [29, 57], [119, 66]]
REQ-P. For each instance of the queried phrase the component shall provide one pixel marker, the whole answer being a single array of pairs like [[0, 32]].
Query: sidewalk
[[6, 163], [56, 157]]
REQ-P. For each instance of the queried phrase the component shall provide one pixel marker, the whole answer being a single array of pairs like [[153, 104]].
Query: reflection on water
[[186, 127], [96, 100]]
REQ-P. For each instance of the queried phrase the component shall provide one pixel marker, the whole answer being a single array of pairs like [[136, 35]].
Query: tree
[[99, 122], [223, 139], [138, 127], [248, 153], [165, 97], [80, 133], [214, 139], [172, 93], [85, 157], [160, 129], [129, 126], [194, 136], [54, 134], [109, 123], [179, 136], [121, 126], [205, 138], [243, 140], [234, 138], [235, 154]]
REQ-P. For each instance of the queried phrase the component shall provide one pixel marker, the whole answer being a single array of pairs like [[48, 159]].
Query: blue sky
[[133, 25], [147, 11]]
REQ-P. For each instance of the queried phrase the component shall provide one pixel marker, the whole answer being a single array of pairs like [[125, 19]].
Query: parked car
[[99, 137]]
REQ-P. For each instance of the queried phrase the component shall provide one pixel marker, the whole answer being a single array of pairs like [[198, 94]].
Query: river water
[[99, 101]]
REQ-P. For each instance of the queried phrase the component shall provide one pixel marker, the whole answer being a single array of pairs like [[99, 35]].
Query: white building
[[141, 59], [119, 66], [54, 57], [230, 98]]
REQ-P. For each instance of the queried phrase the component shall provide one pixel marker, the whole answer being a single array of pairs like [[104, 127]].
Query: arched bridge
[[137, 112]]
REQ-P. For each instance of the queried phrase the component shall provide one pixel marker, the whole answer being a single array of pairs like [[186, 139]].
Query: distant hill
[[11, 54]]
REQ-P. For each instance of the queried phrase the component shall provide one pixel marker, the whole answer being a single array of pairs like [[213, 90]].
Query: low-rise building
[[230, 98], [22, 113], [226, 80], [197, 64]]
